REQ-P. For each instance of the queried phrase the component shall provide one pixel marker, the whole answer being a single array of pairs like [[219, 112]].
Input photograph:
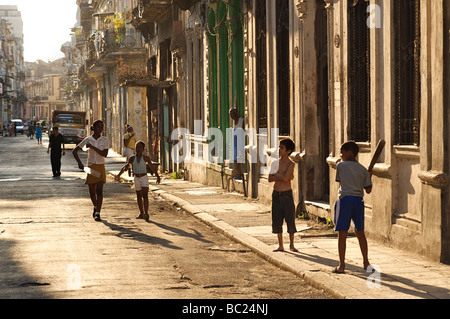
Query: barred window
[[407, 71], [359, 70], [283, 71], [261, 60]]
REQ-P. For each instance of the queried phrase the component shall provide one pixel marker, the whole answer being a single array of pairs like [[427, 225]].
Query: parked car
[[19, 125]]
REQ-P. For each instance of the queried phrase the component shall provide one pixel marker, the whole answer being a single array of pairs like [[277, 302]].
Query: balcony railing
[[110, 41], [152, 11], [79, 40], [134, 72]]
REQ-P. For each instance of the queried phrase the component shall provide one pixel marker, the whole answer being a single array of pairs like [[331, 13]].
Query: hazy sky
[[46, 26]]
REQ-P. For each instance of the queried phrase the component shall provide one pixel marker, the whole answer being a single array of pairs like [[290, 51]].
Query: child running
[[138, 163]]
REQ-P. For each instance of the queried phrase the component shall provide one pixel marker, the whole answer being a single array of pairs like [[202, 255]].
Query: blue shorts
[[347, 209]]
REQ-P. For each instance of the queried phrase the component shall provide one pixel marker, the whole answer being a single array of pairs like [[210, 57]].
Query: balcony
[[185, 4], [110, 45], [134, 72], [123, 43], [81, 71], [91, 51], [151, 11], [79, 41]]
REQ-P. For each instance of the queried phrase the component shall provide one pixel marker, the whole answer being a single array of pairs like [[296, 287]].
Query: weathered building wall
[[407, 205]]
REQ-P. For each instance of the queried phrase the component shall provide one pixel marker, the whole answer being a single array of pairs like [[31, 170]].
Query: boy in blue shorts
[[354, 179]]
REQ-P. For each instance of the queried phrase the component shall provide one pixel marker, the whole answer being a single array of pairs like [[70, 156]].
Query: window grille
[[261, 60], [283, 72], [359, 71], [407, 71]]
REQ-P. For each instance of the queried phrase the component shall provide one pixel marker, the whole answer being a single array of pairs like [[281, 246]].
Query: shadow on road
[[179, 232], [15, 283], [129, 234]]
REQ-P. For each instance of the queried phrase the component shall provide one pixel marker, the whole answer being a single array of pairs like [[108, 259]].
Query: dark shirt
[[56, 141]]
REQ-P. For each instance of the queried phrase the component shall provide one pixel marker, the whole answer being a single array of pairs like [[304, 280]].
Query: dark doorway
[[322, 95]]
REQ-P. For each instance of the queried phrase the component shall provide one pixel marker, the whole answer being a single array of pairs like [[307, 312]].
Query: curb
[[319, 279]]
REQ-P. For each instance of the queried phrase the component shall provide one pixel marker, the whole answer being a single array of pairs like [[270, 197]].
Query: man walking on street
[[56, 140]]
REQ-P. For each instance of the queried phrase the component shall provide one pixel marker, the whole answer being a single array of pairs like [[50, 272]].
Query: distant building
[[13, 97], [44, 88]]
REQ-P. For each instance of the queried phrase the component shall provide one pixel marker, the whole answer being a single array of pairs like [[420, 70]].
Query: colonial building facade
[[12, 76], [318, 71]]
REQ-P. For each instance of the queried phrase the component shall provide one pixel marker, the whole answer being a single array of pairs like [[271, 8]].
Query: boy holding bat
[[354, 179]]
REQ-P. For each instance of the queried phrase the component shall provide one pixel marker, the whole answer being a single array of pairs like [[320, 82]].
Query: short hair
[[55, 128], [140, 142], [96, 123], [234, 110], [288, 143], [351, 146]]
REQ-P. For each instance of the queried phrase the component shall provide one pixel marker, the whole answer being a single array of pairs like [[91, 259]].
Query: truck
[[72, 125]]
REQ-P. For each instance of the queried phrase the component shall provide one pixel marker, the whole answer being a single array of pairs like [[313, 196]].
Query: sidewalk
[[399, 275]]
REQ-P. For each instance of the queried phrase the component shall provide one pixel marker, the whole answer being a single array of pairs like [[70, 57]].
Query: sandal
[[336, 271]]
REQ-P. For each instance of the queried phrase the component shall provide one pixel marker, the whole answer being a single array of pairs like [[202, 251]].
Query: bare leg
[[291, 245], [145, 197], [99, 192], [364, 247], [280, 243], [93, 194], [140, 204], [342, 245]]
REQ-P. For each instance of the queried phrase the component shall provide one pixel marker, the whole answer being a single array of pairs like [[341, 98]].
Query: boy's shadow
[[179, 232], [125, 233]]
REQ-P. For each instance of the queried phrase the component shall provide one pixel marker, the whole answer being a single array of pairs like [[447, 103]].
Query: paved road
[[50, 247]]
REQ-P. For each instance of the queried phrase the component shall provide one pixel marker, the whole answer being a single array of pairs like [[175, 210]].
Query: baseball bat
[[377, 154]]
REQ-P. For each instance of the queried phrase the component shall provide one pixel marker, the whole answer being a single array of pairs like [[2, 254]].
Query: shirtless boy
[[283, 207]]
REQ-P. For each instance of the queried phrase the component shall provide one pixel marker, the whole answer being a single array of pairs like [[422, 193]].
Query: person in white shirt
[[98, 147]]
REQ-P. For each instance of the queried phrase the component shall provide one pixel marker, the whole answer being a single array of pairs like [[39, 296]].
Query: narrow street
[[50, 246]]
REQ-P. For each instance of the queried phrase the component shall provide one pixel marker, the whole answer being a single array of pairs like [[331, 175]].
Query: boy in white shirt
[[98, 147]]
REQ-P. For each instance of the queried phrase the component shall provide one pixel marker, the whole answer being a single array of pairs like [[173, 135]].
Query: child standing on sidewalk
[[354, 179], [283, 207], [141, 186]]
